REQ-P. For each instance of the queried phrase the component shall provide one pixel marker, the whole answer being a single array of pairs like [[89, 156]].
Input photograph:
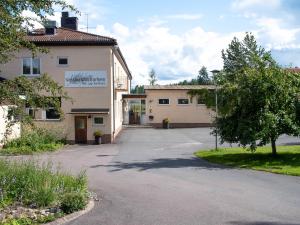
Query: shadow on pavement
[[163, 163], [260, 223]]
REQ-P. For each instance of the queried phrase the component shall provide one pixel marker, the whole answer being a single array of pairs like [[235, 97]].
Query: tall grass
[[34, 185], [31, 141]]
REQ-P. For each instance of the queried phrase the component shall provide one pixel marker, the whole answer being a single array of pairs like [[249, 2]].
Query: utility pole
[[215, 72]]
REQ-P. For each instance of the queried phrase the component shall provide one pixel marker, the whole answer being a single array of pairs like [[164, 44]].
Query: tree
[[152, 77], [258, 99], [203, 78], [14, 24], [138, 89]]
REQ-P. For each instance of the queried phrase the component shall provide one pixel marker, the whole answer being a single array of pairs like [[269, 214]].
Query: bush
[[37, 140], [73, 201], [37, 186]]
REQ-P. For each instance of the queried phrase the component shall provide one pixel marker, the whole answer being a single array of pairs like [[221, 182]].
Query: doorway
[[81, 129]]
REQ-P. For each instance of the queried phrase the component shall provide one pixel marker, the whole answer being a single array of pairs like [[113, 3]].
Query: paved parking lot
[[150, 177]]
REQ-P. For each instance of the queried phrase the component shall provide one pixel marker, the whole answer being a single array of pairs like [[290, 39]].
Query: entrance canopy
[[89, 111]]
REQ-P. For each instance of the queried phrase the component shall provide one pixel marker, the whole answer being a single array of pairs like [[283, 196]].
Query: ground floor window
[[163, 101], [98, 120], [183, 101]]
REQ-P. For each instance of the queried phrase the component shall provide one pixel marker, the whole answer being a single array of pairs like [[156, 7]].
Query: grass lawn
[[286, 162]]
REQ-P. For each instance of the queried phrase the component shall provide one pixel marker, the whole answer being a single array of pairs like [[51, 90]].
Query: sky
[[177, 37]]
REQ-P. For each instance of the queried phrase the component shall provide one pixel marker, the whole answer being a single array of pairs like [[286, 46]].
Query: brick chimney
[[50, 27], [69, 22]]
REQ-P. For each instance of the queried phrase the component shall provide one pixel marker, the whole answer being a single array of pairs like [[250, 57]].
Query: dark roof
[[89, 111], [177, 87], [134, 96], [296, 69], [64, 36]]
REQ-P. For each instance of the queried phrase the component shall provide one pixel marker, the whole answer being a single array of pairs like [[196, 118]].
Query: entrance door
[[81, 129]]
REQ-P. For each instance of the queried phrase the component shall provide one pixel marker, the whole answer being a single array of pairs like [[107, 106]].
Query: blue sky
[[176, 38]]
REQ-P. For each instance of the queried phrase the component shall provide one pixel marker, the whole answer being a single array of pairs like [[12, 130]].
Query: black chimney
[[50, 27], [69, 22]]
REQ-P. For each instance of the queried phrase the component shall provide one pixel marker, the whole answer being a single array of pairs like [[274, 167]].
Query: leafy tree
[[258, 99], [39, 92], [14, 24], [203, 78], [152, 77]]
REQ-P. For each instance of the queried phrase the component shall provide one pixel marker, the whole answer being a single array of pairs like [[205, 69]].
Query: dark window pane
[[52, 114], [26, 66], [63, 61], [98, 120], [183, 101], [35, 66], [163, 101], [200, 100]]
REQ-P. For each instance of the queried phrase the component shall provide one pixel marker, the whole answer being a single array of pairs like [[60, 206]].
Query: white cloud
[[245, 4], [185, 16], [121, 30]]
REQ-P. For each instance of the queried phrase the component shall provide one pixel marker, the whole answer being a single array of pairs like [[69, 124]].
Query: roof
[[65, 36], [89, 111], [177, 87], [296, 69]]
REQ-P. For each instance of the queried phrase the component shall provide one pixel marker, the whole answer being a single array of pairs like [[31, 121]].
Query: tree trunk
[[273, 143]]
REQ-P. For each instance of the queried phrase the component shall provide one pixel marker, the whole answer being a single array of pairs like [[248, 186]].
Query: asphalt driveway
[[150, 177]]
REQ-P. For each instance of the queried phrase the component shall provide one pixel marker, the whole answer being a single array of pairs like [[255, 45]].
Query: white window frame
[[98, 124], [31, 67], [62, 57], [163, 104], [44, 115], [181, 103]]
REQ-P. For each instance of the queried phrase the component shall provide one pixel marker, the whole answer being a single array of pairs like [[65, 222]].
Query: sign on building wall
[[86, 78]]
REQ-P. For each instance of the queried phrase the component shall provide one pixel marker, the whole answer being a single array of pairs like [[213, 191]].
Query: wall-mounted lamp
[[89, 116]]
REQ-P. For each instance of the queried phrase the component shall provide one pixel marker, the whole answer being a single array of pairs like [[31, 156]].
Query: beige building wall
[[15, 130], [80, 58], [190, 115]]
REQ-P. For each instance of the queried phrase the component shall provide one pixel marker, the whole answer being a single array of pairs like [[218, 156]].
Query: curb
[[74, 215]]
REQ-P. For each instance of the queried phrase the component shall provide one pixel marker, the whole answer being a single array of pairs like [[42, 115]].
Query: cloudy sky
[[177, 37]]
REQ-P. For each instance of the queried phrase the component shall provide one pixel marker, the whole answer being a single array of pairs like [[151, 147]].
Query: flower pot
[[165, 125], [97, 140]]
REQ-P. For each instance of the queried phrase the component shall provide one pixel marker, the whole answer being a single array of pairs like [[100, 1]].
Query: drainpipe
[[113, 89]]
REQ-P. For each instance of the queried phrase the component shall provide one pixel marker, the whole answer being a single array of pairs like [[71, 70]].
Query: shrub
[[98, 133], [40, 186], [36, 140], [73, 201]]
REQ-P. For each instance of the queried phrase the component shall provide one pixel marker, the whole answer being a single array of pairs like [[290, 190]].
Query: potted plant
[[166, 123], [97, 135]]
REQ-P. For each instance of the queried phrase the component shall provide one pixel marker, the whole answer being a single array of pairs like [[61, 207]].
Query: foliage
[[15, 24], [31, 185], [202, 78], [98, 133], [39, 92], [286, 162], [73, 201], [152, 77], [138, 89], [32, 141], [258, 99], [208, 96], [166, 120]]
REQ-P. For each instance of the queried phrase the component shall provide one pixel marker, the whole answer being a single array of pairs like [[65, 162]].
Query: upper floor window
[[31, 66], [183, 101], [163, 101], [63, 61]]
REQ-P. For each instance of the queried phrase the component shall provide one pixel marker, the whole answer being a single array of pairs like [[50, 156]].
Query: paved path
[[150, 177]]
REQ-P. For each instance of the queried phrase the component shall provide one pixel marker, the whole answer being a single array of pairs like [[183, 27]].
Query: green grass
[[33, 185], [33, 141], [286, 162]]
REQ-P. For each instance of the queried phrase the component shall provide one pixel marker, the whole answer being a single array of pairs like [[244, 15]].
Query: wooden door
[[81, 129]]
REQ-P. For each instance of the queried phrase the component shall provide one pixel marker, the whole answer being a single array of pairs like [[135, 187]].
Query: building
[[92, 70], [168, 101]]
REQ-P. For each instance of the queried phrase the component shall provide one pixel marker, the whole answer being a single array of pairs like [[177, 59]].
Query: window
[[63, 61], [183, 101], [163, 101], [31, 66], [52, 114], [98, 120], [200, 101]]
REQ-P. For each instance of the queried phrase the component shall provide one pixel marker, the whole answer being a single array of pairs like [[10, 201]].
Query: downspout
[[113, 89]]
